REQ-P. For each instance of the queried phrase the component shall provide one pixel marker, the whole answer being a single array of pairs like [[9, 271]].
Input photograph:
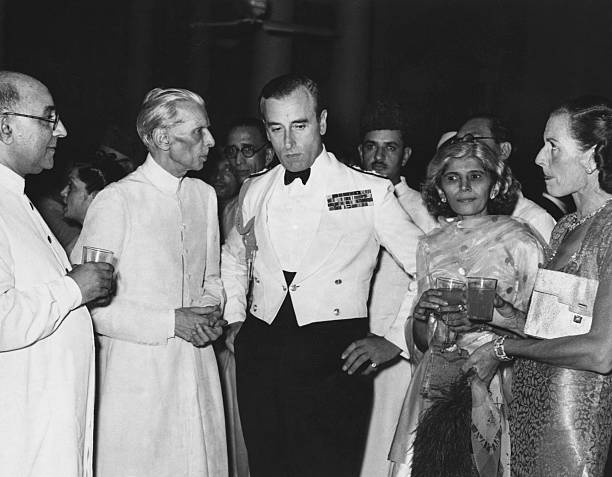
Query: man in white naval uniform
[[384, 150], [46, 337], [310, 235], [160, 409]]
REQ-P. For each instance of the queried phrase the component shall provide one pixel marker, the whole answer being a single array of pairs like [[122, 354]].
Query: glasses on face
[[248, 150], [467, 138], [54, 119]]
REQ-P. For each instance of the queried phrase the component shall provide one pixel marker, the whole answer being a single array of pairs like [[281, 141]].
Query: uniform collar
[[11, 180], [401, 186], [159, 176]]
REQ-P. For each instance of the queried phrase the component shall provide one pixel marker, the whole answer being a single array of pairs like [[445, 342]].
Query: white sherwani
[[388, 294], [46, 348], [160, 410]]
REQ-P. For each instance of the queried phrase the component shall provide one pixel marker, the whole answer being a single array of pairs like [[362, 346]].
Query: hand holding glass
[[453, 292], [480, 298], [93, 254]]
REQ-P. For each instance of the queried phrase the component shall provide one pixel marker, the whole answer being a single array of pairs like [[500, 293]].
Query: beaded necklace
[[576, 222]]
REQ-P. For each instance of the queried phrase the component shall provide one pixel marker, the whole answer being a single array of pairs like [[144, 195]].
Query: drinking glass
[[453, 293], [480, 298], [93, 254]]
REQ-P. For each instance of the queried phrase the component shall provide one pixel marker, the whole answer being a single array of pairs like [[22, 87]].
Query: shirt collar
[[11, 180], [159, 176], [401, 186], [318, 169]]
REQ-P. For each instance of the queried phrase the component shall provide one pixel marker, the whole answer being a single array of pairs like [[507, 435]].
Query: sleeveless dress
[[561, 419]]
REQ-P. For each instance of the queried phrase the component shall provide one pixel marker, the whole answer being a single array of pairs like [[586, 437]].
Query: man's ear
[[406, 155], [506, 149], [161, 139], [323, 122], [6, 130], [269, 155]]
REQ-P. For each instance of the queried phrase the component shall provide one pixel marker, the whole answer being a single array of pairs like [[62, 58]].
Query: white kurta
[[160, 410], [388, 294], [46, 350]]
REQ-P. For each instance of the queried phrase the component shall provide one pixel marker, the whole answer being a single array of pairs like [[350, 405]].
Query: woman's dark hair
[[590, 120], [98, 174], [504, 184]]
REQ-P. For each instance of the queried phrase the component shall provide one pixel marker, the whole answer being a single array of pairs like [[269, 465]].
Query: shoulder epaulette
[[363, 171]]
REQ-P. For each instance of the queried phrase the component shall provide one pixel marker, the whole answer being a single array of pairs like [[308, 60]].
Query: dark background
[[444, 59]]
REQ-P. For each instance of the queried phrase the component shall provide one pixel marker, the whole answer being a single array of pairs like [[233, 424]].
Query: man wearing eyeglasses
[[493, 132], [46, 337], [247, 151]]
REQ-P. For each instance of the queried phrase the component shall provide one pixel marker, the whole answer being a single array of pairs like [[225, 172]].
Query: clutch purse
[[561, 305]]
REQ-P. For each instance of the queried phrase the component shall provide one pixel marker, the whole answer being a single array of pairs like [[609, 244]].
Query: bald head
[[29, 125]]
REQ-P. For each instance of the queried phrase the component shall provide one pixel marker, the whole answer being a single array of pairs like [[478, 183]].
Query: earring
[[443, 198], [590, 170], [492, 195]]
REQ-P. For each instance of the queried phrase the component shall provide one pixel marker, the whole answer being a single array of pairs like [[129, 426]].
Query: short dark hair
[[248, 122], [97, 174], [508, 187], [500, 129], [590, 119], [283, 86], [383, 114]]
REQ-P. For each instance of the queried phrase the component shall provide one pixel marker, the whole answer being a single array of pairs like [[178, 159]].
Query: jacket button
[[336, 311], [256, 280], [284, 288], [254, 307], [337, 281], [293, 287]]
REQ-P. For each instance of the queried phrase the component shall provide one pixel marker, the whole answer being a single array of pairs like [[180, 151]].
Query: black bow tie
[[302, 175]]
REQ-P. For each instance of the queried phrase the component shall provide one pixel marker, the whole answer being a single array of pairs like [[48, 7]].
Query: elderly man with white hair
[[160, 409]]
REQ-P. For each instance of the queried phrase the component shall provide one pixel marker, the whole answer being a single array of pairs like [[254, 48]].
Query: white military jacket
[[359, 214]]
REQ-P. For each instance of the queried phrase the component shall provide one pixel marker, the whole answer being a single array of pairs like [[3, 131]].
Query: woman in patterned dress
[[561, 413], [473, 192]]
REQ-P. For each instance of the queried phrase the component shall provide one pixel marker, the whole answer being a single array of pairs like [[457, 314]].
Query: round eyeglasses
[[53, 119], [247, 150]]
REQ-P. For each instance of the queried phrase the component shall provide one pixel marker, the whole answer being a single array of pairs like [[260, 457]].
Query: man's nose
[[289, 140], [60, 130], [540, 159], [64, 193], [379, 153]]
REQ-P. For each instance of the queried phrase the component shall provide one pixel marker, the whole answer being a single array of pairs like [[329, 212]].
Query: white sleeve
[[31, 314], [234, 276]]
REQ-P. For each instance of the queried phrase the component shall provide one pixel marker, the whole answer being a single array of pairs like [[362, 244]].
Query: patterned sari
[[491, 246]]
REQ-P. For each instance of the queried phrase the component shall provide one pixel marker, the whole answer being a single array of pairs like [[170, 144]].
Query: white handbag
[[561, 305]]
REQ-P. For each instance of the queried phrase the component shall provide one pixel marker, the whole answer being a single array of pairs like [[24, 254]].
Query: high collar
[[11, 180], [159, 176], [401, 186]]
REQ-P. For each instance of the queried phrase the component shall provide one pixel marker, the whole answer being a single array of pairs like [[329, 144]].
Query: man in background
[[384, 149]]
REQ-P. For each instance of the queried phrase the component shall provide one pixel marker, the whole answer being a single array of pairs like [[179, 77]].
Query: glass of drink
[[93, 254], [453, 292], [480, 298]]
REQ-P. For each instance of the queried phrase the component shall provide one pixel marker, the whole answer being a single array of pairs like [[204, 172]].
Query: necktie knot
[[302, 175]]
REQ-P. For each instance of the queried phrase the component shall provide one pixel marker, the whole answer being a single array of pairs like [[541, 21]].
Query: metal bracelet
[[498, 349]]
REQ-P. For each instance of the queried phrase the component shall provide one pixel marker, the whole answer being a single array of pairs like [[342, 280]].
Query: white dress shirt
[[46, 348]]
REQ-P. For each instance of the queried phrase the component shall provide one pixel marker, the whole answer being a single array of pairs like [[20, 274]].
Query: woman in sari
[[561, 412], [473, 193]]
